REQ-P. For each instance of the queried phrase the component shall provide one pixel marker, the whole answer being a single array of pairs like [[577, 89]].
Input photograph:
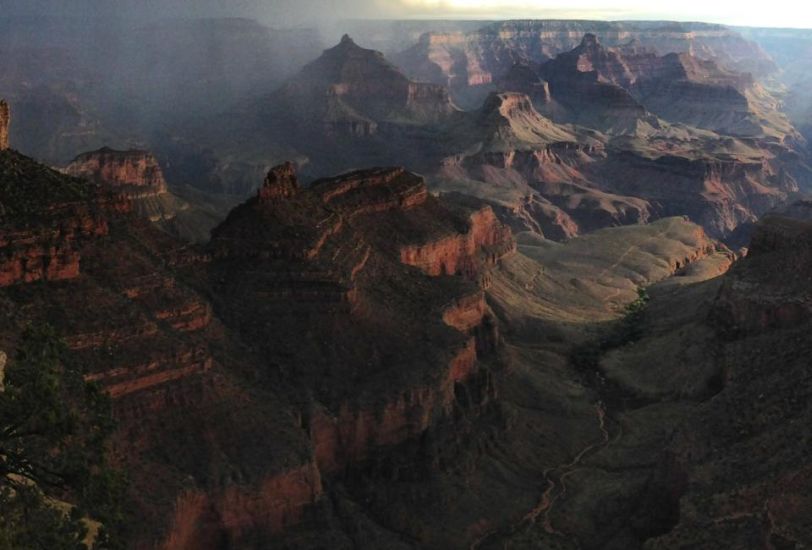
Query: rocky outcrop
[[5, 120], [460, 254], [134, 171], [137, 176], [199, 519], [108, 282], [350, 91], [44, 221], [344, 257], [753, 299], [280, 183]]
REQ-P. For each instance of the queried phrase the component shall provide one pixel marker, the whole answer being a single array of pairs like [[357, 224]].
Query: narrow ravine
[[555, 490]]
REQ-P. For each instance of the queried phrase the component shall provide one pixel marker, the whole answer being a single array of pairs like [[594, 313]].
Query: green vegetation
[[628, 330], [54, 429]]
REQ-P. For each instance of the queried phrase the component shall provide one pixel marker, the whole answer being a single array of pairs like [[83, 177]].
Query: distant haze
[[286, 13]]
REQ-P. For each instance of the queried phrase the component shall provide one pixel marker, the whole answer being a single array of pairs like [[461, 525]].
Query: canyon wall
[[5, 120]]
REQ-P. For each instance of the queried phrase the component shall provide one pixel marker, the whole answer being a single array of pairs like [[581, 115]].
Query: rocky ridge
[[360, 361], [137, 176], [465, 61]]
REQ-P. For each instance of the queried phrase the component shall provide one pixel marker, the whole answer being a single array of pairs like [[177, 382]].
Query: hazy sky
[[790, 13]]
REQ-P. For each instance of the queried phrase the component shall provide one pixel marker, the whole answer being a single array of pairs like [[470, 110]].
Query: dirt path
[[556, 488], [616, 291]]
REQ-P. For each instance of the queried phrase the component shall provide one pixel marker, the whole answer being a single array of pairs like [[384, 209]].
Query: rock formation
[[753, 299], [44, 221], [320, 256], [132, 171], [137, 176], [466, 61], [5, 120], [743, 474], [351, 91], [108, 282], [280, 183], [362, 362]]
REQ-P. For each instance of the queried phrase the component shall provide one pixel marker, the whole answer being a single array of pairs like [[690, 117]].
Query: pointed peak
[[589, 41], [280, 183], [346, 45]]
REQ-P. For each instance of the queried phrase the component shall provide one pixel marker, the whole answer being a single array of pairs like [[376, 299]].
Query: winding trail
[[556, 488]]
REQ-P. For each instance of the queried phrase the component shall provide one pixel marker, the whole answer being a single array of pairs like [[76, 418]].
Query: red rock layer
[[459, 254], [281, 183], [200, 519], [333, 264], [350, 436], [135, 171], [5, 120], [49, 253], [110, 284]]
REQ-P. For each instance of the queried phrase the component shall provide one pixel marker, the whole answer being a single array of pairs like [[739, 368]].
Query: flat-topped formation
[[133, 170], [137, 176]]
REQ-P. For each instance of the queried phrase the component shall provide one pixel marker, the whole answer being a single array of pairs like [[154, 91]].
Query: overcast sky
[[789, 13]]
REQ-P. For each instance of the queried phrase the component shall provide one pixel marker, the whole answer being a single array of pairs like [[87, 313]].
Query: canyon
[[560, 148], [268, 390], [530, 284]]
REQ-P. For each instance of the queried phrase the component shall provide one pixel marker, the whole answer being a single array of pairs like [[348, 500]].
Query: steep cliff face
[[339, 258], [128, 170], [351, 90], [107, 281], [5, 120], [44, 221], [467, 60], [137, 176], [753, 299]]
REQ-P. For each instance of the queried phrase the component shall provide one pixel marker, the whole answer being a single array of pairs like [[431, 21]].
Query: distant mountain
[[470, 60], [351, 91]]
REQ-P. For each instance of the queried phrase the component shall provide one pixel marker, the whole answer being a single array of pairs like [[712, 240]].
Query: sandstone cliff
[[338, 256], [137, 176], [467, 60], [5, 120], [107, 281], [132, 171]]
